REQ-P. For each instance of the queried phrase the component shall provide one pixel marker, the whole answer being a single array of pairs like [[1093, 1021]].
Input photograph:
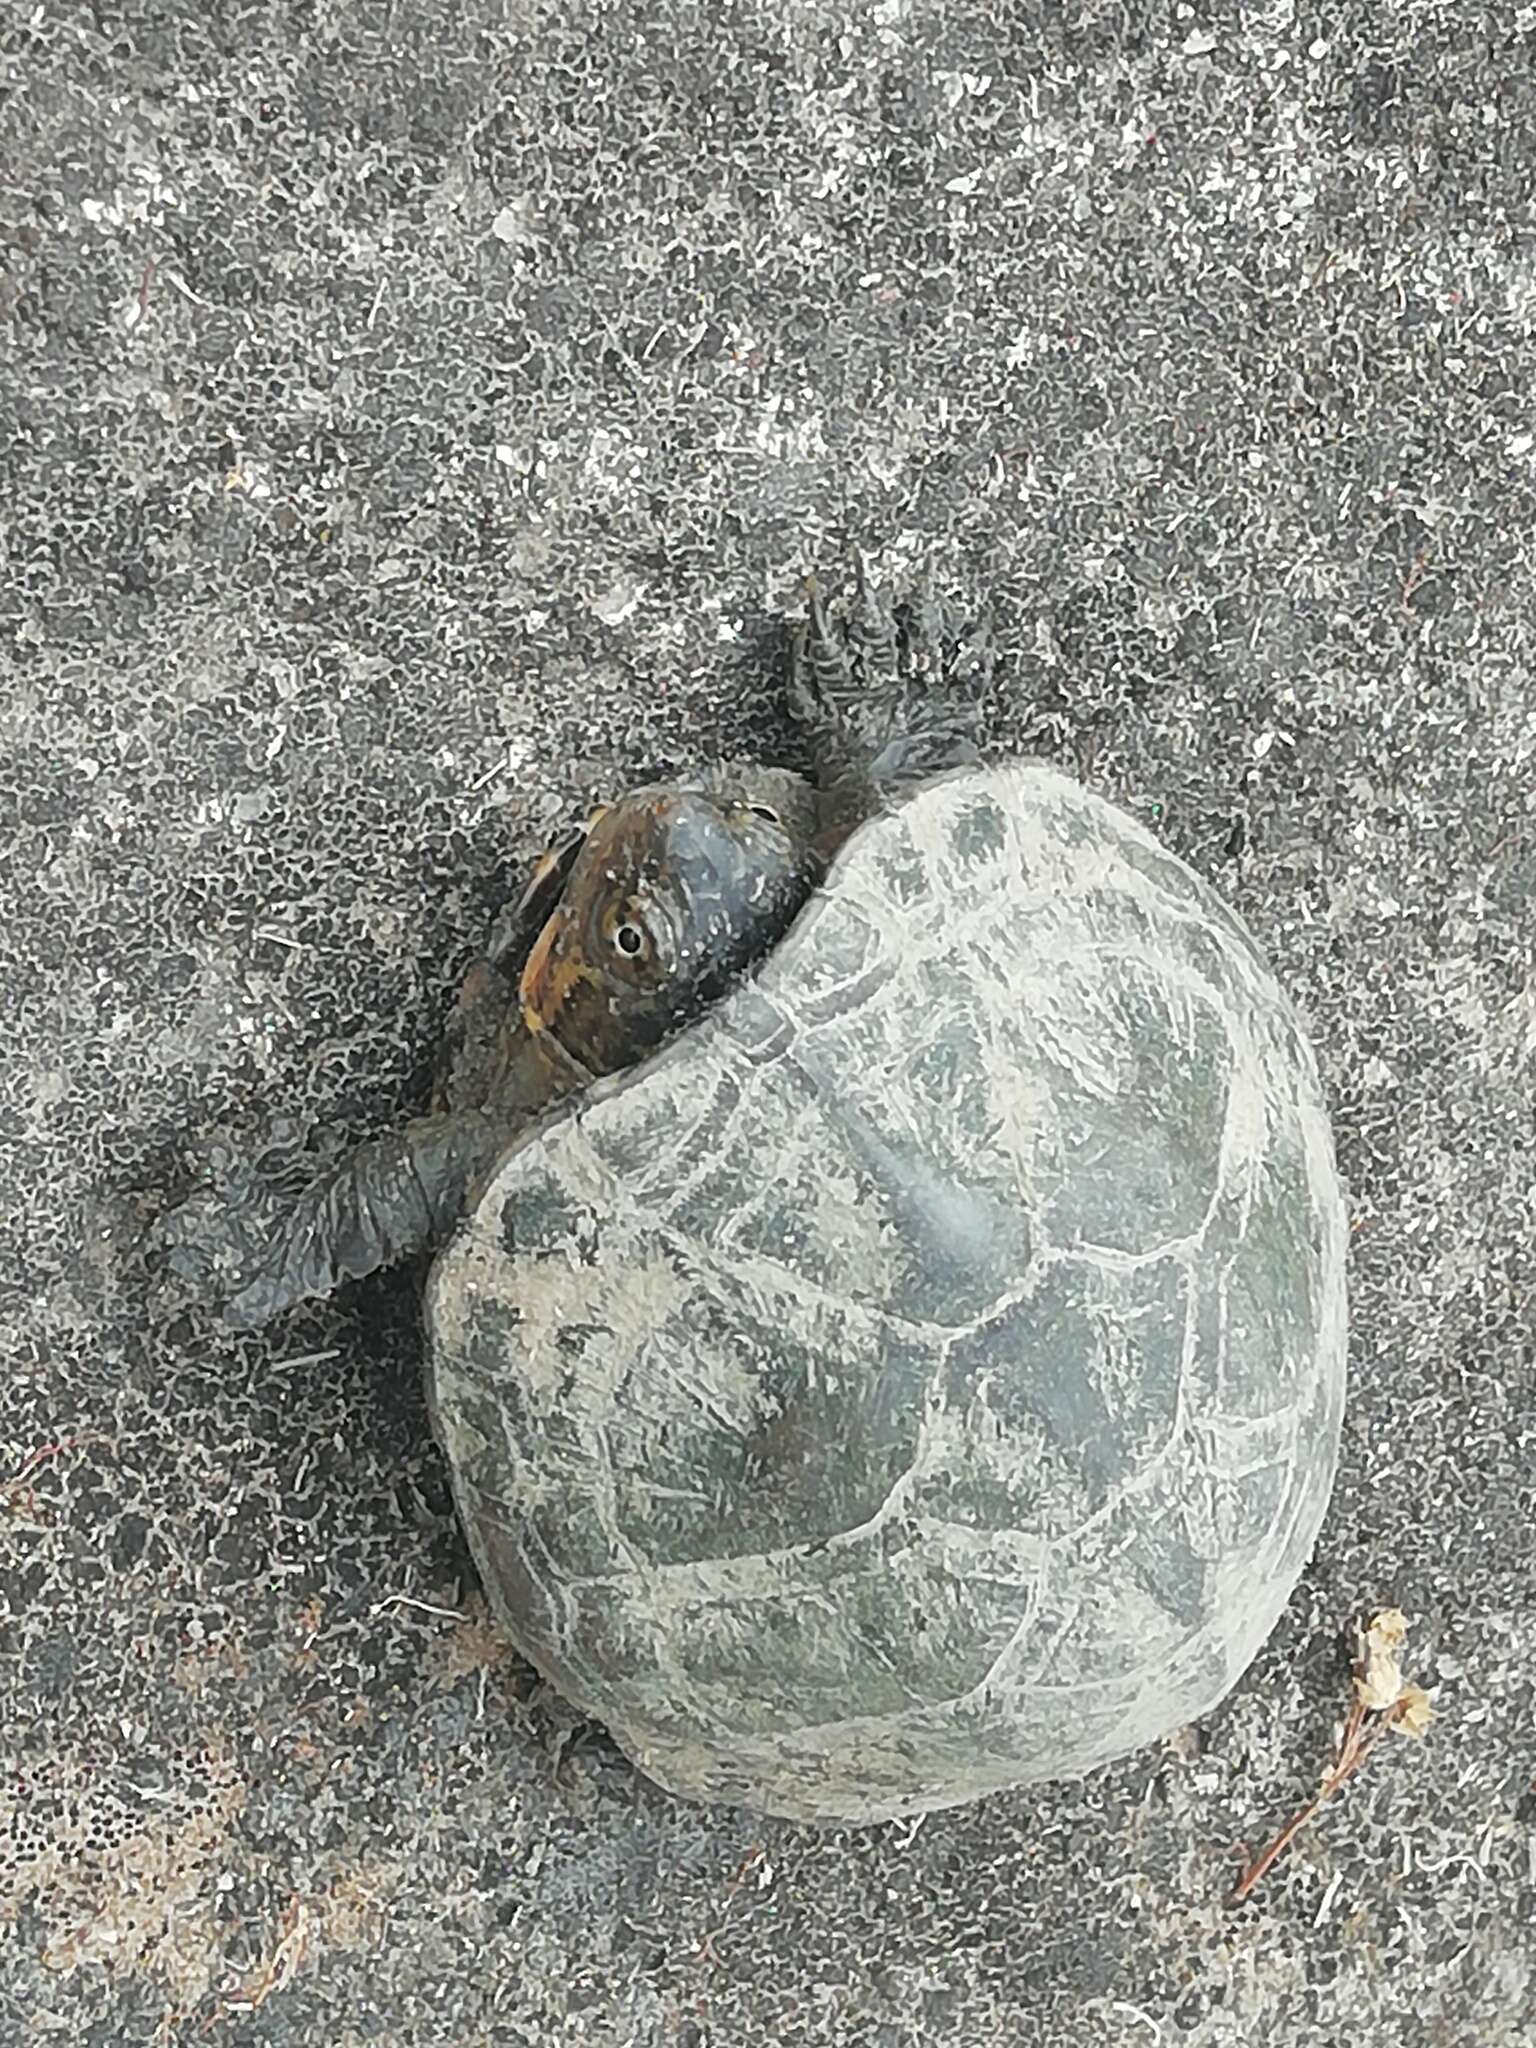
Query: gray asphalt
[[415, 422]]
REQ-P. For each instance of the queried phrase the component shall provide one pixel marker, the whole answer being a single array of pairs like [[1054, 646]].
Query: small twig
[[424, 1606], [706, 1951], [1348, 1760], [16, 1487], [288, 1956], [1416, 574], [1379, 1689], [43, 1452]]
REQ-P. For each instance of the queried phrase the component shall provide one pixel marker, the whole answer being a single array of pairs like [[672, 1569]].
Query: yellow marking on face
[[544, 986]]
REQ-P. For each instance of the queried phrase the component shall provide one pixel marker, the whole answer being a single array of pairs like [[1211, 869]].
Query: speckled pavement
[[414, 423]]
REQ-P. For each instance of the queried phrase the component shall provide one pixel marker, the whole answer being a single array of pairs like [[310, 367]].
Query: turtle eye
[[765, 811], [630, 940]]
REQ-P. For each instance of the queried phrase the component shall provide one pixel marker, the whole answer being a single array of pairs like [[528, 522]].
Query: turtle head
[[673, 894]]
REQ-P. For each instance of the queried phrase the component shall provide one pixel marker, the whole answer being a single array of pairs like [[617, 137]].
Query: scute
[[925, 1375], [1047, 1450]]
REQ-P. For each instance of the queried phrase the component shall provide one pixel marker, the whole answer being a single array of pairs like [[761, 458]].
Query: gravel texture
[[415, 423]]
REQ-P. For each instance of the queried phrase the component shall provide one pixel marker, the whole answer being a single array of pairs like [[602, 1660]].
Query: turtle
[[886, 1320]]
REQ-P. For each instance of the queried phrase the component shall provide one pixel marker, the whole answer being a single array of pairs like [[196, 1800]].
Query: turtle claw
[[821, 681], [891, 694], [873, 633], [208, 1248], [245, 1243], [844, 678]]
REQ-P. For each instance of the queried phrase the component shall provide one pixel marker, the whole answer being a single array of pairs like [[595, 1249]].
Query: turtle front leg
[[890, 696], [262, 1252]]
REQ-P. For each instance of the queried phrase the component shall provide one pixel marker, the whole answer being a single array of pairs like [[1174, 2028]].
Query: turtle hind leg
[[891, 694]]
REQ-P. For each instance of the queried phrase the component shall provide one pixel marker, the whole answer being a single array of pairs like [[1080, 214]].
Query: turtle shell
[[925, 1375]]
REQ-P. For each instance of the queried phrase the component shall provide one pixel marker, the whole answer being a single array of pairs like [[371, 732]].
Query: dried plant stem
[[1355, 1745]]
